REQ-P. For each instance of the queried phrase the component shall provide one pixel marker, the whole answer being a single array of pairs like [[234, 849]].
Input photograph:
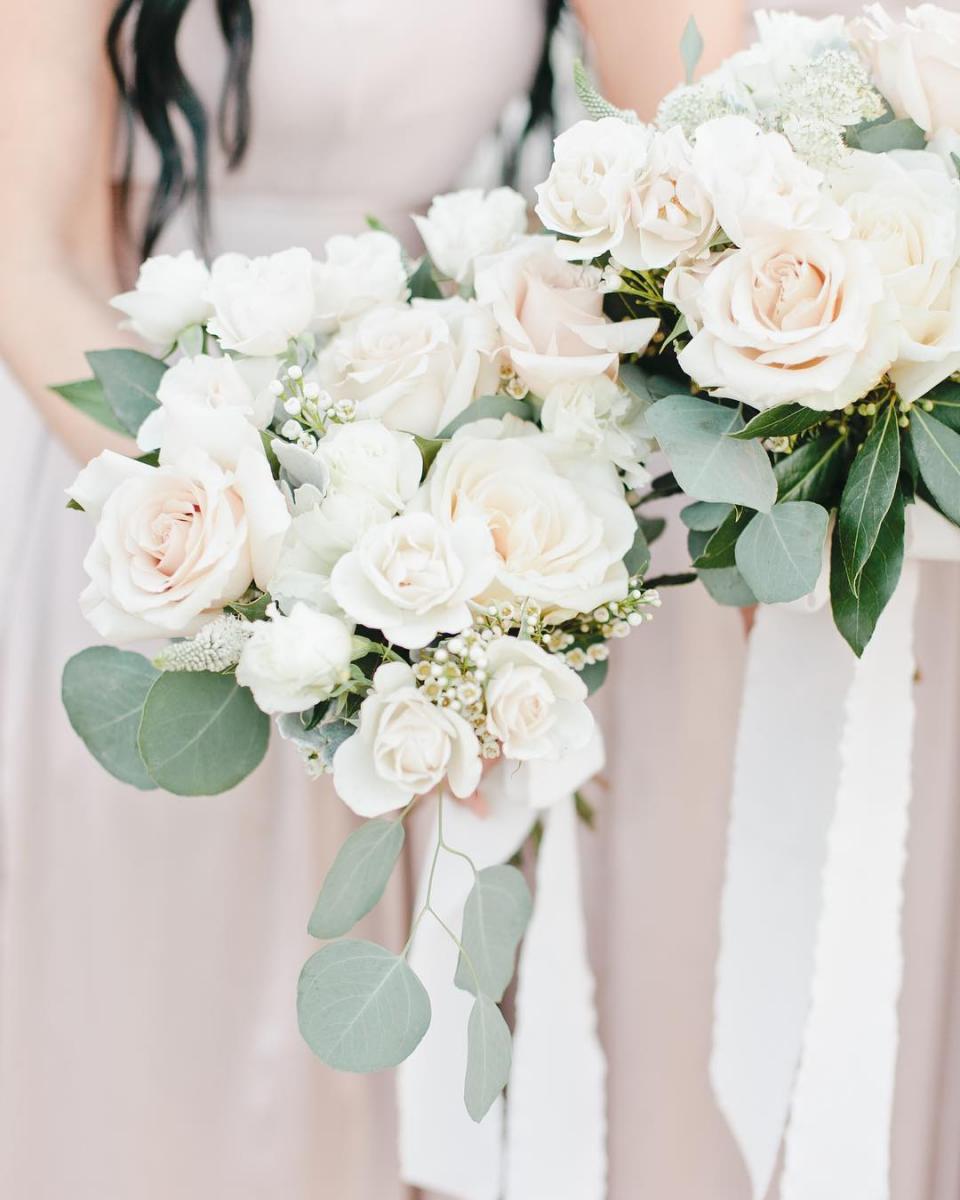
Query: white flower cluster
[[320, 469]]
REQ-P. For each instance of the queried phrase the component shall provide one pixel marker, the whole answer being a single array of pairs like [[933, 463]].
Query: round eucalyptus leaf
[[360, 1007], [780, 553], [201, 733], [355, 882], [488, 1057], [494, 919], [103, 691]]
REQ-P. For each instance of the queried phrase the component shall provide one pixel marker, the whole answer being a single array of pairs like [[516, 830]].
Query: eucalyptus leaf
[[882, 137], [697, 540], [868, 493], [422, 283], [494, 919], [86, 395], [937, 448], [201, 733], [704, 516], [720, 550], [691, 47], [814, 471], [594, 674], [488, 406], [361, 1008], [652, 527], [429, 449], [782, 421], [488, 1057], [727, 586], [129, 380], [856, 615], [324, 738], [637, 558], [103, 691], [780, 553], [646, 385], [358, 877], [707, 463]]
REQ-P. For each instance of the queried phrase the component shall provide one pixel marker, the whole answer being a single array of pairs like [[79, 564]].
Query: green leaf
[[782, 421], [704, 516], [720, 550], [652, 527], [727, 586], [881, 137], [691, 47], [201, 733], [422, 283], [647, 386], [494, 918], [937, 448], [488, 1057], [678, 580], [358, 877], [868, 492], [429, 449], [709, 465], [361, 1008], [946, 401], [637, 558], [594, 674], [780, 553], [814, 471], [488, 406], [87, 396], [697, 540], [252, 605], [103, 692], [192, 340], [856, 615], [130, 380]]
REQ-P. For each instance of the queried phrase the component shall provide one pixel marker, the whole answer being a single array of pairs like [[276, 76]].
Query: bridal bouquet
[[390, 510], [793, 219]]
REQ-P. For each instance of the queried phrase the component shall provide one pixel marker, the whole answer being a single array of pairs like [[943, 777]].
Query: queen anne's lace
[[215, 648]]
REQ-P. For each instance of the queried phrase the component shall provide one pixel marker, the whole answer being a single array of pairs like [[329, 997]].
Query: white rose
[[413, 577], [367, 460], [206, 382], [461, 226], [261, 303], [292, 662], [404, 747], [759, 184], [357, 273], [413, 367], [559, 521], [169, 296], [601, 419], [793, 317], [550, 315], [626, 189], [535, 703], [915, 62], [175, 543], [905, 207]]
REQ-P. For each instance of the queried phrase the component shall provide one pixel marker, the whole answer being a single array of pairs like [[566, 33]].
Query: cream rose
[[261, 303], [175, 543], [413, 577], [915, 62], [535, 703], [550, 315], [405, 746], [626, 189], [793, 317], [461, 226], [357, 273], [293, 662], [169, 296], [559, 521]]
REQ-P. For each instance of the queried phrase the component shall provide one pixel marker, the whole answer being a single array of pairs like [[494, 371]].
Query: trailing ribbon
[[550, 1144], [808, 977]]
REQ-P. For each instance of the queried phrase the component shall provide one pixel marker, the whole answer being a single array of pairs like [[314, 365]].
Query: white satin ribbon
[[553, 1146], [805, 1020]]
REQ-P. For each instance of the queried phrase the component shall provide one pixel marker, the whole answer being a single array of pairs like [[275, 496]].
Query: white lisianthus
[[261, 303], [535, 703], [550, 315], [206, 382], [413, 577], [599, 418], [357, 273], [793, 317], [461, 226], [759, 184], [175, 543], [626, 189], [409, 366], [905, 207], [292, 662], [405, 746], [169, 296], [915, 62], [559, 520]]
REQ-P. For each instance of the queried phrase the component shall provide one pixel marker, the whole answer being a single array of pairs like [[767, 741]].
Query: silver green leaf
[[780, 553], [201, 733], [87, 396], [361, 1008], [494, 919], [703, 516], [103, 692], [129, 380], [937, 448], [691, 47], [356, 881], [488, 1057], [487, 406], [727, 586], [707, 463]]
